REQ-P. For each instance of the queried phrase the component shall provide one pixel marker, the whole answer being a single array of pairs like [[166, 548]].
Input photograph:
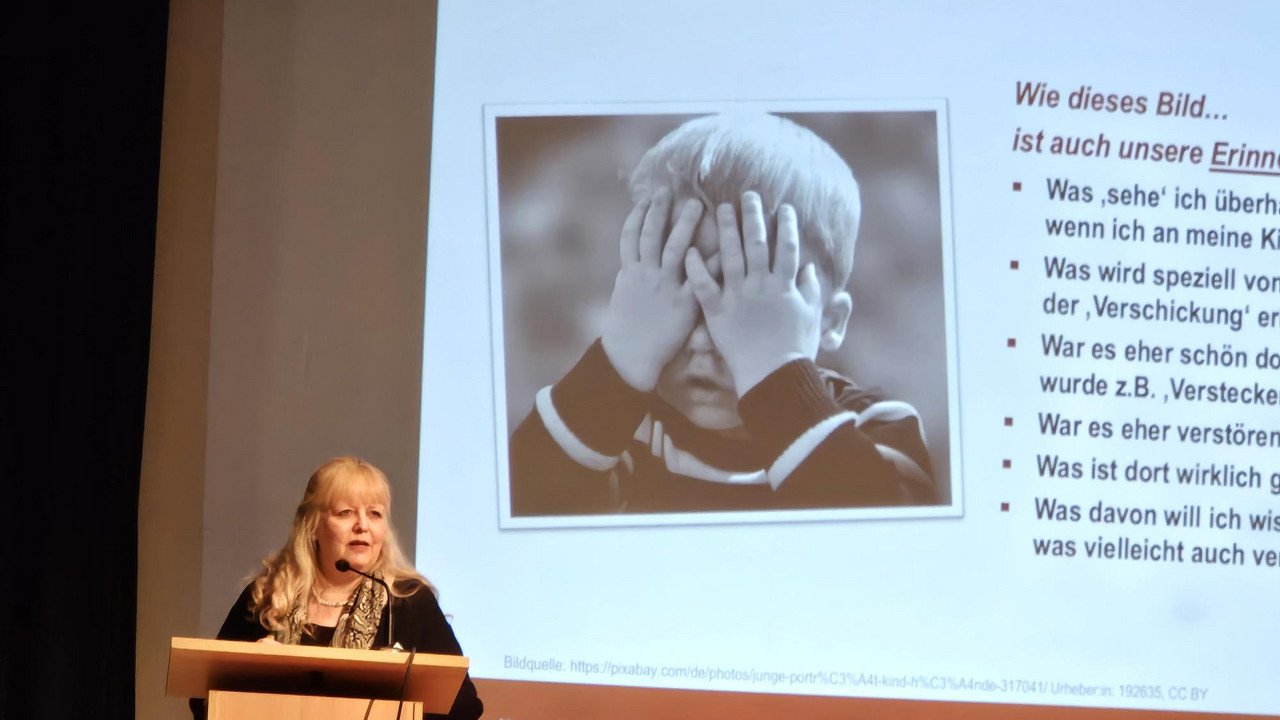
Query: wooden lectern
[[267, 680]]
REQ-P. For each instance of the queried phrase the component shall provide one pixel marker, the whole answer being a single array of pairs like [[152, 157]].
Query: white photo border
[[506, 521]]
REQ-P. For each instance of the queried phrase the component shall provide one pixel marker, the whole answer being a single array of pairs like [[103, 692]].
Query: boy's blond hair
[[718, 157]]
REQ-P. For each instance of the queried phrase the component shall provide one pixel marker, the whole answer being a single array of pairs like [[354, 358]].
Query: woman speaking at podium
[[301, 597]]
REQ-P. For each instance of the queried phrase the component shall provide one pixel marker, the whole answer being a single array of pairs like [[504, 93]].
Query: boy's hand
[[762, 318], [652, 310]]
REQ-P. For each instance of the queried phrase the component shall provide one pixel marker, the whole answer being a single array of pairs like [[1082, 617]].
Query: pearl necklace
[[327, 603]]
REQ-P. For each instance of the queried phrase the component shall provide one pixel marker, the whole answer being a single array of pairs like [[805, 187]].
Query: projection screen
[[1065, 282]]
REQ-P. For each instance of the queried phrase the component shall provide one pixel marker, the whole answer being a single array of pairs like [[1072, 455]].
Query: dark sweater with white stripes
[[810, 439]]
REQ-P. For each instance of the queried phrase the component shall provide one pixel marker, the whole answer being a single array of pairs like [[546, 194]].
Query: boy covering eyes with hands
[[702, 393]]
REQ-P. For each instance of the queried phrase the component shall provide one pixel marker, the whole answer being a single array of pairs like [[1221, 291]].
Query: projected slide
[[1034, 460]]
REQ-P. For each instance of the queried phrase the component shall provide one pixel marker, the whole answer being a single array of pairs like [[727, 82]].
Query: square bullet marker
[[1012, 342], [1007, 464], [1013, 264], [1008, 422], [1004, 507], [1017, 187]]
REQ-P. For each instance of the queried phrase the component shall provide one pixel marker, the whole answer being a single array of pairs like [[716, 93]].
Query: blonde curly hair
[[288, 575]]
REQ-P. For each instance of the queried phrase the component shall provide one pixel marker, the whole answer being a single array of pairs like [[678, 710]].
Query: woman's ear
[[835, 318]]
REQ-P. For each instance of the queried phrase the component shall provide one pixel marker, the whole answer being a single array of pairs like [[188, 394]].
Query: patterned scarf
[[357, 625]]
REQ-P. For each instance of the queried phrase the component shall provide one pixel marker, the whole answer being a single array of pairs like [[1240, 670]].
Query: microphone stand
[[343, 566]]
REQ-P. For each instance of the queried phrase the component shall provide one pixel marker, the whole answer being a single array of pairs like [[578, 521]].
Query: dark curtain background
[[79, 162]]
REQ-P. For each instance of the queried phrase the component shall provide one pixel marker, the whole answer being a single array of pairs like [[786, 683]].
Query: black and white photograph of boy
[[720, 313]]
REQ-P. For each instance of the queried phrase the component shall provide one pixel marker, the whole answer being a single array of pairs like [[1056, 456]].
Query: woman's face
[[351, 529]]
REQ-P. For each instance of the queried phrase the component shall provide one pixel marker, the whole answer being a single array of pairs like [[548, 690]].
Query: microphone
[[343, 566]]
